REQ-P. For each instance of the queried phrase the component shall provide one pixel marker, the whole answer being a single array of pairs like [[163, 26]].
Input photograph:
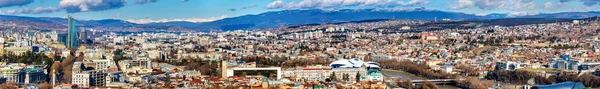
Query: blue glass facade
[[33, 75], [73, 39]]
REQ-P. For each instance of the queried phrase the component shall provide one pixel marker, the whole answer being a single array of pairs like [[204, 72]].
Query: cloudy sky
[[144, 11]]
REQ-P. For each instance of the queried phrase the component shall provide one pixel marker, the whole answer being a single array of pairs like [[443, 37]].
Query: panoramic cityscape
[[299, 44]]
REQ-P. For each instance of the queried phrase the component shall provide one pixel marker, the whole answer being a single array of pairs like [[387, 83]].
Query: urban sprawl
[[365, 55]]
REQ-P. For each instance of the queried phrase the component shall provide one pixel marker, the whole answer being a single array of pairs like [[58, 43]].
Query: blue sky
[[144, 11]]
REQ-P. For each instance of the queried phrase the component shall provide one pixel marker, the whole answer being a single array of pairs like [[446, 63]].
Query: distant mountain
[[86, 23], [298, 17], [286, 18], [564, 15]]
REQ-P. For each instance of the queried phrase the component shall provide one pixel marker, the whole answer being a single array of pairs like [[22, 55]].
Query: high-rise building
[[62, 38], [83, 34], [72, 39]]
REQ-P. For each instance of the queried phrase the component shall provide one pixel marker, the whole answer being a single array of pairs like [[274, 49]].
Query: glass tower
[[72, 39]]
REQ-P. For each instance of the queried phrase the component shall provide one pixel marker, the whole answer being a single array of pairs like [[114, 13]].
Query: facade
[[101, 64], [97, 78], [72, 38], [62, 38], [11, 73], [339, 72], [114, 77], [321, 73], [373, 75], [314, 73], [509, 65], [18, 50], [80, 77], [564, 85], [276, 71], [568, 64], [32, 75]]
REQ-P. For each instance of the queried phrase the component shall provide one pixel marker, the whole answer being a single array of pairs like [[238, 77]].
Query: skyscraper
[[63, 38], [72, 39]]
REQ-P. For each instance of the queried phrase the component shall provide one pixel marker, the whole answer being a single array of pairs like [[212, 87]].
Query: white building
[[79, 76], [102, 64], [310, 73], [11, 73]]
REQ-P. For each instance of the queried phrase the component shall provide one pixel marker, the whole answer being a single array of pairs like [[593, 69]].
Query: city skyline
[[300, 44], [147, 11]]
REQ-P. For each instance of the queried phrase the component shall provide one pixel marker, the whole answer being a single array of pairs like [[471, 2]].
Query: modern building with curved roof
[[563, 85], [354, 63]]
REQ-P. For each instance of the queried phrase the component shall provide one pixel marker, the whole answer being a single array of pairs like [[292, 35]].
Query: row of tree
[[414, 68], [474, 83], [588, 80], [29, 58], [523, 76], [513, 77], [468, 69], [407, 84]]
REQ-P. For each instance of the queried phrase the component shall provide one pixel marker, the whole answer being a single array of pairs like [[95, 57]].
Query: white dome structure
[[354, 63]]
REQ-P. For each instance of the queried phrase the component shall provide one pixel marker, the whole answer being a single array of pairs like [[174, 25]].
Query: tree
[[44, 85], [516, 77], [405, 83], [193, 66], [259, 74], [474, 83], [168, 81], [7, 85], [67, 73], [346, 77], [333, 77], [368, 57], [542, 81], [357, 77], [80, 57], [244, 74], [428, 85]]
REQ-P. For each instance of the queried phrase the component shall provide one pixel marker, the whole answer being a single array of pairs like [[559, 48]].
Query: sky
[[148, 11]]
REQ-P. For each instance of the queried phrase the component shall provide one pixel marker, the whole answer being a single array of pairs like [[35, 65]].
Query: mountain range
[[281, 18]]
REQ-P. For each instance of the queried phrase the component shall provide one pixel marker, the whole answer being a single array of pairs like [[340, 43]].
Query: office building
[[72, 39]]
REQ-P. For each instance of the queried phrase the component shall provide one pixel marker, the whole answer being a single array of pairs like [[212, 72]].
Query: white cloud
[[73, 6], [493, 4], [9, 3], [517, 14], [322, 4], [194, 19], [585, 2], [37, 10], [242, 8], [144, 1], [461, 4], [519, 5], [275, 4], [481, 14], [548, 5], [117, 16]]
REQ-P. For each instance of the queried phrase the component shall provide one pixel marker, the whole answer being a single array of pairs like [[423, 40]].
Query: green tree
[[333, 77], [244, 74], [511, 40], [259, 74], [346, 77], [357, 77]]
